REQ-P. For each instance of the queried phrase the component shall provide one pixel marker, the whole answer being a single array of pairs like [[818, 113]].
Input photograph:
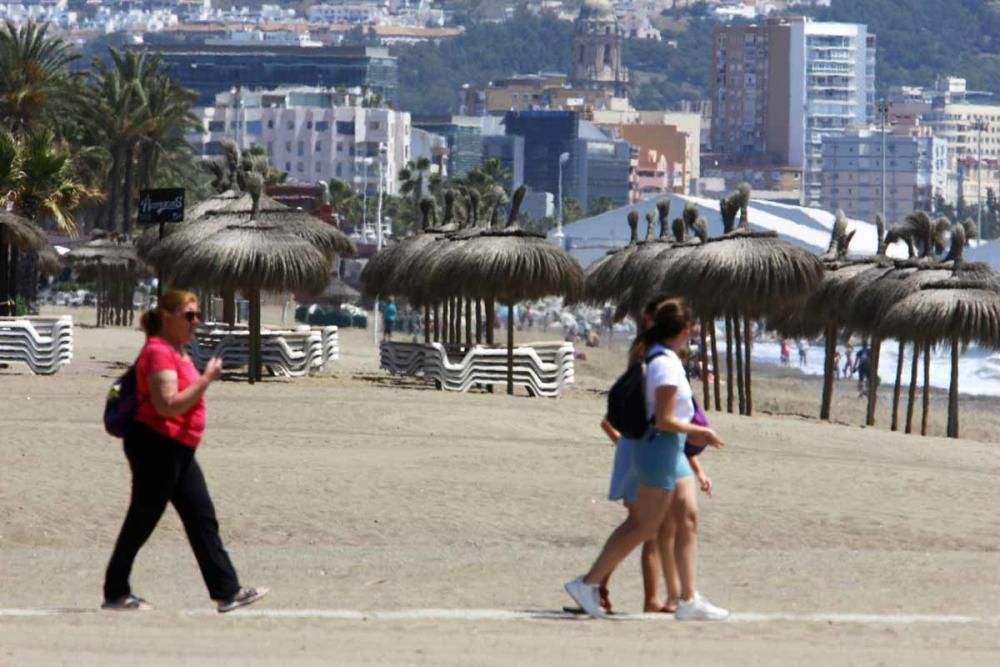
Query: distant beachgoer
[[160, 449], [803, 351], [849, 360], [659, 462], [389, 311], [836, 361], [786, 352], [863, 367]]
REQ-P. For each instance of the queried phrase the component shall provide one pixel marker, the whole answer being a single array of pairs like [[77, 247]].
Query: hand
[[712, 439], [706, 484], [213, 370]]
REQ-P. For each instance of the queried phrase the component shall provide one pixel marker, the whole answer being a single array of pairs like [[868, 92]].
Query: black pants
[[163, 471]]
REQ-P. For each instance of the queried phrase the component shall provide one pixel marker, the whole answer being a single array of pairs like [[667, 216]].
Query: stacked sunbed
[[285, 352], [542, 368], [41, 344]]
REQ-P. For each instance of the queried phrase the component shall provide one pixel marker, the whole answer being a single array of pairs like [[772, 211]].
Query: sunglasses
[[192, 315]]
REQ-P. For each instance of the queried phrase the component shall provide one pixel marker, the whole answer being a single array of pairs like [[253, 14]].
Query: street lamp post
[[563, 159], [979, 126], [883, 115], [378, 228]]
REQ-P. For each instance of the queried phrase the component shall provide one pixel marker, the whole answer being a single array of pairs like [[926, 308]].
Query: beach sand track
[[342, 493]]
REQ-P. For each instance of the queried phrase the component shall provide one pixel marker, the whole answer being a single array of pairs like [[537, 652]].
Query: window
[[374, 125], [340, 146], [288, 166], [319, 146], [309, 125], [339, 170], [216, 126], [288, 147], [322, 126], [270, 124], [301, 149], [299, 168], [290, 125], [253, 127], [345, 127], [607, 55]]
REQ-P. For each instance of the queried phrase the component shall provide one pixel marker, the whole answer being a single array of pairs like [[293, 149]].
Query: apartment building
[[313, 134]]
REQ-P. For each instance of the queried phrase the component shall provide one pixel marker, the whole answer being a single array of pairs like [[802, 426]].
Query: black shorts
[[389, 324], [863, 372]]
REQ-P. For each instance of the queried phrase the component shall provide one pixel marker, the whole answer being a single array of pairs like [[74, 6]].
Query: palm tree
[[412, 178], [344, 201], [36, 88]]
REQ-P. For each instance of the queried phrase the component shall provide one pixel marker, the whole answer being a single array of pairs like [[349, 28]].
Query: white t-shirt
[[668, 369]]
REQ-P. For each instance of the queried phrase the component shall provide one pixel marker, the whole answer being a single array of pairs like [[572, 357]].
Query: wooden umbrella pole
[[457, 319], [729, 364], [715, 365], [229, 307], [912, 393], [490, 319], [445, 326], [876, 354], [828, 371], [703, 353], [738, 341], [510, 349], [927, 386], [468, 322], [953, 390], [897, 390], [427, 323], [253, 348], [437, 322], [748, 364], [479, 321]]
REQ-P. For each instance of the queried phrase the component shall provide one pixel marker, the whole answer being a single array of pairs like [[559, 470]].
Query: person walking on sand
[[389, 311], [848, 360], [863, 367], [160, 448], [803, 352], [659, 461], [786, 352]]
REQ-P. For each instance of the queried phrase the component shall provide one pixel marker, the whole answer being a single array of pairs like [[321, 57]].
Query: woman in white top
[[659, 462]]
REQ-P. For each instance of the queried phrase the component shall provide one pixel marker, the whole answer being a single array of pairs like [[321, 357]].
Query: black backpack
[[627, 401]]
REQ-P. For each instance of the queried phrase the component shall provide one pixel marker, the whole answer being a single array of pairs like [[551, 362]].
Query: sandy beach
[[383, 513]]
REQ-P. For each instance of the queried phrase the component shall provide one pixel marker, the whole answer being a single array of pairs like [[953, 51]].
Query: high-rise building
[[781, 87], [598, 164], [915, 172], [212, 69]]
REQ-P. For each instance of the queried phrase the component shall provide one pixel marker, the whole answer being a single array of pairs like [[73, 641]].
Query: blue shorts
[[660, 460], [624, 480]]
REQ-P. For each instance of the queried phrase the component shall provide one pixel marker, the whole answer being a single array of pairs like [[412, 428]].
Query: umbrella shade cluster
[[458, 269], [253, 244], [114, 264], [739, 275], [20, 236]]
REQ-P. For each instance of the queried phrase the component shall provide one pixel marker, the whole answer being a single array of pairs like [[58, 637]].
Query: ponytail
[[151, 321], [671, 318]]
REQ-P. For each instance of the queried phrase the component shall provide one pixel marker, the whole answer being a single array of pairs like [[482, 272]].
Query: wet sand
[[357, 491]]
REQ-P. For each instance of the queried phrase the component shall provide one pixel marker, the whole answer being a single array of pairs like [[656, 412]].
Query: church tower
[[597, 49]]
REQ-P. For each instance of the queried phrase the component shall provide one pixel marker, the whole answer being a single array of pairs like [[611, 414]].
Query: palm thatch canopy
[[336, 292], [508, 265], [49, 261], [21, 232], [601, 279], [941, 310], [755, 274], [115, 254]]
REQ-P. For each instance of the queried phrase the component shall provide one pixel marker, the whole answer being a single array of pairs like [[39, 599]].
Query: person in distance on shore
[[659, 461], [160, 448]]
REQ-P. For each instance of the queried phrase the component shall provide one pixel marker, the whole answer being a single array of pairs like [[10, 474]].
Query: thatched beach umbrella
[[884, 288], [741, 275], [954, 310], [508, 265], [248, 250], [17, 234], [601, 279], [336, 293], [114, 264]]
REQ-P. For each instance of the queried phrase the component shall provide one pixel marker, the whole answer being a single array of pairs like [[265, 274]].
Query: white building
[[832, 88], [362, 13], [313, 134]]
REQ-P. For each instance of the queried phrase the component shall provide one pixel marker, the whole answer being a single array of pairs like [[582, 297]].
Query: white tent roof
[[590, 238]]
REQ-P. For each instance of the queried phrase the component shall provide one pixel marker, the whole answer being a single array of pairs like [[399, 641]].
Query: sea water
[[978, 368]]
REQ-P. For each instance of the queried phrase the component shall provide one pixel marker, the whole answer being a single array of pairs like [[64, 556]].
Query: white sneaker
[[587, 596], [699, 609]]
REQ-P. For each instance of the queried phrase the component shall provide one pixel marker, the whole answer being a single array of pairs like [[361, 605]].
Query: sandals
[[127, 603], [241, 598]]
